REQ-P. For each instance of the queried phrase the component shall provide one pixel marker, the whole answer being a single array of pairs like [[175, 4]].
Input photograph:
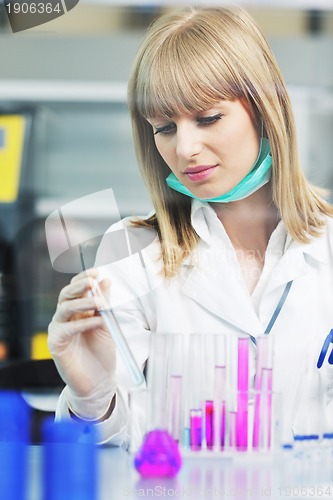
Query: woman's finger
[[92, 272], [67, 309], [60, 332], [105, 286], [76, 289]]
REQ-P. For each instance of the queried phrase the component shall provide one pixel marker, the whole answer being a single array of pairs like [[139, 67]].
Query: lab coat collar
[[208, 279], [230, 301], [222, 295], [200, 212], [203, 215], [317, 248]]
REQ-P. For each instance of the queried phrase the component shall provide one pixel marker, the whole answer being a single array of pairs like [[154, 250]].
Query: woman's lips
[[200, 173]]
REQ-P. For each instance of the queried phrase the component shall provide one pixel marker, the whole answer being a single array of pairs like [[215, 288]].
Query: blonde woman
[[243, 241]]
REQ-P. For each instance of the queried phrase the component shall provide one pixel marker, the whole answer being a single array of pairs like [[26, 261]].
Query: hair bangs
[[184, 76]]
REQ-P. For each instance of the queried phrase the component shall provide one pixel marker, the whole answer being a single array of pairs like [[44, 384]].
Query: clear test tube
[[175, 384], [137, 421], [232, 426], [220, 391], [157, 383], [117, 335], [195, 371], [187, 383], [262, 419], [266, 396]]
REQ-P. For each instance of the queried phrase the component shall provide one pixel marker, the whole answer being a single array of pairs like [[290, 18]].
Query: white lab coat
[[207, 297]]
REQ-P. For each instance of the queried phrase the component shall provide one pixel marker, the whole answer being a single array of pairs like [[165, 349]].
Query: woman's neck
[[249, 224], [252, 219]]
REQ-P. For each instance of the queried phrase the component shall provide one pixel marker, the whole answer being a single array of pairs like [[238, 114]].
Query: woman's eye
[[208, 120], [166, 129]]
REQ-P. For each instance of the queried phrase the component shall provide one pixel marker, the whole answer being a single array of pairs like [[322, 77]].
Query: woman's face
[[210, 151]]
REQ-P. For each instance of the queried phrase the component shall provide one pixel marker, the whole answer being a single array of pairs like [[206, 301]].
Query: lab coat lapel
[[296, 261], [223, 296], [228, 299], [291, 266]]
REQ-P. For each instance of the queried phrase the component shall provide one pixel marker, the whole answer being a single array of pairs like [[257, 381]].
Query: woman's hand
[[82, 347]]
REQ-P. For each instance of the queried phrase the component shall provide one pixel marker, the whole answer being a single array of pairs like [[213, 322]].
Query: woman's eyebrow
[[156, 119]]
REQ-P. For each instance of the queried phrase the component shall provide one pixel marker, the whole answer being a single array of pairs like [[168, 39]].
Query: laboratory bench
[[208, 476]]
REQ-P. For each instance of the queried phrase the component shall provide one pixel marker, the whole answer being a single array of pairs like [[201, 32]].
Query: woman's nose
[[188, 143]]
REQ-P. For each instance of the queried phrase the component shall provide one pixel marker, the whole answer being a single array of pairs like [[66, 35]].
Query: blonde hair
[[189, 60]]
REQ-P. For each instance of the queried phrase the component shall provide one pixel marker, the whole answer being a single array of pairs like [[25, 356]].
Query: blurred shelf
[[61, 91], [130, 206], [295, 4]]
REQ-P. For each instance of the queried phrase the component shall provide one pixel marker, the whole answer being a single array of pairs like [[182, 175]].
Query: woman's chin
[[206, 194]]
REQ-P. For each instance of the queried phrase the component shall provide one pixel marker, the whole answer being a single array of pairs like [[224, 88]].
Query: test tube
[[265, 434], [220, 390], [242, 394], [232, 378], [195, 391], [262, 420], [209, 424], [175, 406], [157, 382], [119, 339], [196, 429], [115, 332], [137, 418], [175, 385], [232, 429], [209, 390]]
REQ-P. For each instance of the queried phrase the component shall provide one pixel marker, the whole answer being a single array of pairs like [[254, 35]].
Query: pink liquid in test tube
[[196, 429], [243, 394], [223, 425], [209, 419]]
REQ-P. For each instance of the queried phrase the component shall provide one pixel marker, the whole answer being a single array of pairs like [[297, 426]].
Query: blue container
[[69, 461], [15, 417]]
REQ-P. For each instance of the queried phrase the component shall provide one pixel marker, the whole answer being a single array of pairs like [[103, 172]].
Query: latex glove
[[82, 348]]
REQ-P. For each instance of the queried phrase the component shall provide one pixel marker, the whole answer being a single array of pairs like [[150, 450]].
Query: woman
[[243, 241]]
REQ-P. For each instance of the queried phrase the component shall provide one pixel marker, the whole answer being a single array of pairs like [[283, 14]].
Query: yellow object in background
[[39, 349], [12, 132]]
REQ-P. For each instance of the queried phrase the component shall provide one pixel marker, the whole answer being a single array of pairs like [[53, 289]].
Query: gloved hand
[[82, 347]]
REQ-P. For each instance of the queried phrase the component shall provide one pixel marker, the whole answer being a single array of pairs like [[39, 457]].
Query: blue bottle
[[69, 461], [15, 420]]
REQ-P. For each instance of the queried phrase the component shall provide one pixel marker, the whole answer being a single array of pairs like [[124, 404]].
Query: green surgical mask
[[258, 176]]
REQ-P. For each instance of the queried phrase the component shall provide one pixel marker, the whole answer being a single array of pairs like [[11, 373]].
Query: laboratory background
[[66, 154], [65, 81]]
